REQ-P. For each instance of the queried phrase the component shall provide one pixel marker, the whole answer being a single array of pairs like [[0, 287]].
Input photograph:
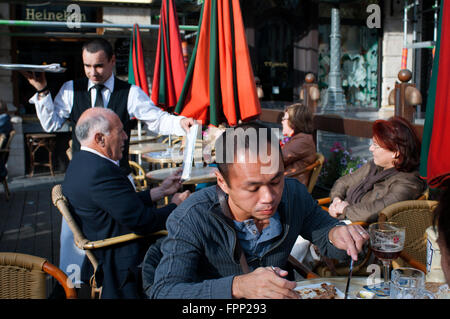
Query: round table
[[141, 148], [163, 157], [198, 175], [172, 156], [143, 139]]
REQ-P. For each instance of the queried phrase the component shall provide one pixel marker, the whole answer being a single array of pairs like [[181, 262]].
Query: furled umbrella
[[170, 70], [434, 163], [136, 66], [219, 82]]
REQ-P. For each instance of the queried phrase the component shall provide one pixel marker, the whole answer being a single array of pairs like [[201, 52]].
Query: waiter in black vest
[[101, 88]]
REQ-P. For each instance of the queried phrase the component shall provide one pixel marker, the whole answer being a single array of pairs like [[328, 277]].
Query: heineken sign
[[55, 13], [44, 14]]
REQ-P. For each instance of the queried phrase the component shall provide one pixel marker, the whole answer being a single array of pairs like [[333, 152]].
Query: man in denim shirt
[[201, 254]]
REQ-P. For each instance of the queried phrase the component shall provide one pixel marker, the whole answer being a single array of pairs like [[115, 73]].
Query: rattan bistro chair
[[4, 154], [60, 201], [23, 276], [416, 216], [314, 170], [138, 173]]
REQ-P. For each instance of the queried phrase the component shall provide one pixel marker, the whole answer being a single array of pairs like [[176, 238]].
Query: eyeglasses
[[375, 145]]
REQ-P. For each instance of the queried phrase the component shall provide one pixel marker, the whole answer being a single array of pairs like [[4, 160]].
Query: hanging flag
[[434, 163], [136, 66], [170, 71], [220, 84]]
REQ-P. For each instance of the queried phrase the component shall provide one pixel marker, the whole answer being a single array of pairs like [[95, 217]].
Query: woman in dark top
[[298, 147]]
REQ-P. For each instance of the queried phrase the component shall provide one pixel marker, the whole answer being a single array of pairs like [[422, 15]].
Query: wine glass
[[386, 240]]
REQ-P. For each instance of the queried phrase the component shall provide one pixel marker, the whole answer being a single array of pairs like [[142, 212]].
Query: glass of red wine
[[386, 241]]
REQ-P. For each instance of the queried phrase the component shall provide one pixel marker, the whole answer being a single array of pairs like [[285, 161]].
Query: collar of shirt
[[109, 84], [253, 242], [87, 149]]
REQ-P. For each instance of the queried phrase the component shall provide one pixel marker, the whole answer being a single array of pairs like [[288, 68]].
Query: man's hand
[[186, 123], [263, 282], [37, 80], [168, 187], [172, 183], [178, 198], [350, 238]]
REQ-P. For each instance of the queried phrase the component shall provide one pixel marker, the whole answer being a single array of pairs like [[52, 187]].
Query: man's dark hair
[[243, 137], [99, 44]]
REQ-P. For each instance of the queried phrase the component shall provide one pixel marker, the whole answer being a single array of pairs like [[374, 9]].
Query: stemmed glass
[[386, 240]]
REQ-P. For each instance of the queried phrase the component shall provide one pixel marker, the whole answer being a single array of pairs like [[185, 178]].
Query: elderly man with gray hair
[[105, 203]]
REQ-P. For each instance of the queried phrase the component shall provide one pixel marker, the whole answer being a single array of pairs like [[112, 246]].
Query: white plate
[[307, 291]]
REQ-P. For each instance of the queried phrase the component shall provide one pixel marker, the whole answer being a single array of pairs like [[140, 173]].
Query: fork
[[348, 280]]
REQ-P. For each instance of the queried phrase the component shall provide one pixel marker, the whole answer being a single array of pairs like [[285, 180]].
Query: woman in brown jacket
[[390, 177], [299, 149]]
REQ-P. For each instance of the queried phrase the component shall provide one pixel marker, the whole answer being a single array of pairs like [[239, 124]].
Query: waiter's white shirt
[[53, 113]]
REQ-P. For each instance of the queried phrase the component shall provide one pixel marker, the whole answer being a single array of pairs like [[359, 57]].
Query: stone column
[[334, 99]]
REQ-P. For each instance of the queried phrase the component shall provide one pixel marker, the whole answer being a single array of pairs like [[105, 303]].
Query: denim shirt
[[253, 242]]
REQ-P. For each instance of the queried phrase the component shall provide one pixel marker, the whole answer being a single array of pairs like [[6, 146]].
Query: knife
[[348, 279]]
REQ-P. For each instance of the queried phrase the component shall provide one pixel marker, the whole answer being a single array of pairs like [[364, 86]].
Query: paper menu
[[189, 149]]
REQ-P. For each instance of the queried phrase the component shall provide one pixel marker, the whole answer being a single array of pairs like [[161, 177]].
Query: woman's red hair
[[398, 135]]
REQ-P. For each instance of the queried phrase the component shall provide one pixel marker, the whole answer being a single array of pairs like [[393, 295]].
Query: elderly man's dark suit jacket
[[106, 205]]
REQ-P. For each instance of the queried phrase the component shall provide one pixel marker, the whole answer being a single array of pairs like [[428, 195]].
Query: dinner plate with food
[[323, 290]]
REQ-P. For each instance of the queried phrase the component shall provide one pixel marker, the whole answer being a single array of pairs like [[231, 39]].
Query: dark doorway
[[46, 51]]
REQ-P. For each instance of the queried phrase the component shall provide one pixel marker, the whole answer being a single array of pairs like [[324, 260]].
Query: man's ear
[[221, 182], [99, 139]]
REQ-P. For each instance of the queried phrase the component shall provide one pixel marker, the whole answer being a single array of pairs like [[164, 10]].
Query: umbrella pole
[[139, 126]]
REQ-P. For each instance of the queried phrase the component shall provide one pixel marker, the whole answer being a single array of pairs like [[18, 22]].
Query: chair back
[[4, 155], [60, 201], [23, 276], [5, 150], [416, 216], [315, 168], [69, 151], [138, 174]]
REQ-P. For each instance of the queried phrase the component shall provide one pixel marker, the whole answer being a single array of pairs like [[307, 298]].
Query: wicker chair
[[314, 168], [60, 201], [138, 174], [416, 216], [69, 151], [23, 276], [4, 154]]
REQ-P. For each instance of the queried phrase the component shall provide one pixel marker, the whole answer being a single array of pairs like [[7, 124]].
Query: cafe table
[[198, 175], [356, 284], [171, 157], [141, 148], [143, 139]]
